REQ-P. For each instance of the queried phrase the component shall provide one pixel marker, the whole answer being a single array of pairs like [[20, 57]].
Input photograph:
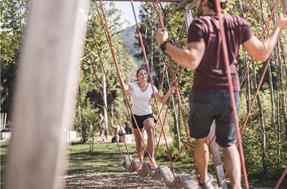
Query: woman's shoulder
[[152, 86], [133, 84]]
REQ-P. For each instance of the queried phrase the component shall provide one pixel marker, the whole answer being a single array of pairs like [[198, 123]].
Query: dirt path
[[110, 181], [120, 180]]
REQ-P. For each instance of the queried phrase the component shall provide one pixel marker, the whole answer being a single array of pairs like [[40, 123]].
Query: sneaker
[[139, 166], [153, 164], [206, 185]]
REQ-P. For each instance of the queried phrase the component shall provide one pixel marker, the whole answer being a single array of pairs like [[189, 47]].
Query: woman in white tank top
[[142, 92]]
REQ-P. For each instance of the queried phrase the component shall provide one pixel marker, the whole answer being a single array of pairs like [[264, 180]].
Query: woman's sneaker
[[153, 164], [139, 166]]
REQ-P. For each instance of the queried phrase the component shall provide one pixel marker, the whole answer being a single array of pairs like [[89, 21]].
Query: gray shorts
[[204, 108]]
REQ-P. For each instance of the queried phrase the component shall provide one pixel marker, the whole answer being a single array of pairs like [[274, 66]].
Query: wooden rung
[[167, 176], [145, 169], [187, 181], [180, 181], [127, 162], [130, 164], [177, 184], [155, 174]]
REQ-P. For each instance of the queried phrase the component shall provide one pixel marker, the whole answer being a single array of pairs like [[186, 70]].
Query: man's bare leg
[[232, 166], [201, 155]]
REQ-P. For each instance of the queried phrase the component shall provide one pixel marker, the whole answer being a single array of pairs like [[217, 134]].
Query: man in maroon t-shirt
[[209, 99]]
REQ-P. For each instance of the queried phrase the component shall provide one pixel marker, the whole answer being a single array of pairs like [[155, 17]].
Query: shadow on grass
[[104, 158], [3, 160]]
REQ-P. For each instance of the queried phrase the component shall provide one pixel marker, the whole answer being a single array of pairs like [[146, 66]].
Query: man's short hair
[[212, 4]]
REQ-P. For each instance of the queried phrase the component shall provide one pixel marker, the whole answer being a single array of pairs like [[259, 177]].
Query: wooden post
[[214, 149], [45, 94], [105, 107], [284, 6], [3, 119]]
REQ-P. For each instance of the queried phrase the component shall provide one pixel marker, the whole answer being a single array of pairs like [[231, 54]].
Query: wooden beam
[[284, 6], [214, 149], [45, 93], [155, 1]]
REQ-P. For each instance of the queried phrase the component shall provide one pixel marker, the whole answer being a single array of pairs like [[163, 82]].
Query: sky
[[127, 11]]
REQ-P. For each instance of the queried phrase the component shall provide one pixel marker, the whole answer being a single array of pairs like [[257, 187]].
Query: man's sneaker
[[206, 185]]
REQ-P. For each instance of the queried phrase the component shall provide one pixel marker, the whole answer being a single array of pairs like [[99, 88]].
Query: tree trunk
[[105, 125], [83, 126], [263, 134], [176, 127]]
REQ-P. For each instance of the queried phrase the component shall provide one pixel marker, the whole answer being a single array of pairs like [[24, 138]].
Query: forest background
[[264, 140]]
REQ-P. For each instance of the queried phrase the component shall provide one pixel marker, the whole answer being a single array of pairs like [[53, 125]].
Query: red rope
[[188, 138], [270, 18], [158, 10], [179, 100], [259, 84], [231, 92], [177, 90], [98, 82], [102, 18], [261, 37], [249, 8], [164, 120], [284, 173], [151, 81], [246, 69], [254, 98]]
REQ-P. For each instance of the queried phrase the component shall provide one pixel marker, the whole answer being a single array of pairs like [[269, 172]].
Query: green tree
[[91, 96], [12, 22], [265, 138]]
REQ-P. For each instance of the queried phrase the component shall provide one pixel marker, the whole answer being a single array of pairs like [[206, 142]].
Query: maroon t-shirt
[[210, 75]]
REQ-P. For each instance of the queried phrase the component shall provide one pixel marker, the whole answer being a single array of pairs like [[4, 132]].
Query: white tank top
[[141, 100]]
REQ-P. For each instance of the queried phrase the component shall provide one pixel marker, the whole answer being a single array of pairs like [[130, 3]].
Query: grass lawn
[[106, 158], [3, 152]]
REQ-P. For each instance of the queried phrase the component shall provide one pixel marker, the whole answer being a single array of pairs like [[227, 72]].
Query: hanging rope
[[251, 3], [258, 86], [157, 145], [284, 173], [231, 93], [151, 80], [178, 94], [184, 120], [266, 27], [161, 20], [174, 76], [158, 10], [188, 138], [101, 93], [98, 83], [103, 22]]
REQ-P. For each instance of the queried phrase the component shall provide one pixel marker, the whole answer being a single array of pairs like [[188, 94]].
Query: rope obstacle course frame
[[49, 163]]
